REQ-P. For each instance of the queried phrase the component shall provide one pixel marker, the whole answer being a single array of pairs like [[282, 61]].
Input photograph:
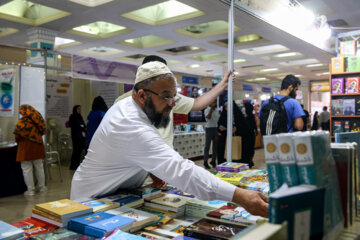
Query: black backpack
[[273, 117]]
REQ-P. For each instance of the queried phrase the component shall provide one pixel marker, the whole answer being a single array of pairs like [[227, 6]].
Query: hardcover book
[[146, 192], [302, 207], [272, 160], [100, 204], [128, 200], [171, 200], [99, 224], [61, 234], [63, 209], [352, 84], [287, 159], [33, 226], [180, 193], [337, 86], [337, 107], [349, 106], [211, 230], [231, 167], [8, 231]]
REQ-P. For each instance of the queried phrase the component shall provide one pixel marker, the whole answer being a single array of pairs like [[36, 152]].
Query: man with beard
[[294, 111], [127, 147]]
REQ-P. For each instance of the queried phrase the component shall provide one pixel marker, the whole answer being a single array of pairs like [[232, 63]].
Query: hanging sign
[[190, 80], [266, 90], [7, 85], [248, 88]]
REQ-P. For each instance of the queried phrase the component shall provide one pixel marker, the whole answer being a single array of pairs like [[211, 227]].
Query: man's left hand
[[157, 182]]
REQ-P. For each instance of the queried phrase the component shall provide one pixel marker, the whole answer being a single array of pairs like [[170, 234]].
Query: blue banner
[[190, 80], [266, 90], [248, 88]]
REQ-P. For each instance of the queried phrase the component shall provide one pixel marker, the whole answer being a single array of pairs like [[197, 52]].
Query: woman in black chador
[[78, 136], [249, 132]]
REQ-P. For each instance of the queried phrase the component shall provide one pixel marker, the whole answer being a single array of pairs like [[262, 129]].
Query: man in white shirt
[[325, 119], [126, 147], [212, 117]]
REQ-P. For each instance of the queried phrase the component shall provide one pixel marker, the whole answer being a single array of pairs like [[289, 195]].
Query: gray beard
[[156, 119]]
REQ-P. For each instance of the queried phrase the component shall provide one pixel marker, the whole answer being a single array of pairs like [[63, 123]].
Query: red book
[[33, 226]]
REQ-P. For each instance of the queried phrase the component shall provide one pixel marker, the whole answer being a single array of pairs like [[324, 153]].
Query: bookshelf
[[339, 121]]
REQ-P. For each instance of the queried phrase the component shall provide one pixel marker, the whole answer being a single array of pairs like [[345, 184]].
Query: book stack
[[61, 233], [8, 231], [99, 224], [141, 218], [234, 215], [169, 202], [231, 167], [59, 212], [127, 200], [100, 204], [146, 192], [256, 180], [171, 229], [199, 208], [272, 160], [32, 226]]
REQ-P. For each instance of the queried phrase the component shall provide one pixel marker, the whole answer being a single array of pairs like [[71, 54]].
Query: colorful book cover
[[231, 177], [99, 224], [357, 106], [152, 236], [8, 231], [352, 84], [287, 159], [211, 230], [120, 235], [61, 234], [337, 107], [353, 64], [171, 200], [234, 214], [231, 167], [272, 160], [33, 226], [349, 106], [337, 65], [302, 207], [100, 204], [354, 125], [176, 191], [146, 192], [337, 86], [172, 228], [64, 208], [157, 212], [337, 127], [123, 199], [256, 180], [347, 126]]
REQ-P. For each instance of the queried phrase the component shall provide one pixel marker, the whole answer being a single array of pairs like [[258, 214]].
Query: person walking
[[315, 125], [248, 136], [94, 118], [78, 134], [212, 116], [28, 132], [325, 119]]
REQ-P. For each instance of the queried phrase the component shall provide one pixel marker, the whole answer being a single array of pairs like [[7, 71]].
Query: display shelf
[[345, 116], [345, 94], [345, 73]]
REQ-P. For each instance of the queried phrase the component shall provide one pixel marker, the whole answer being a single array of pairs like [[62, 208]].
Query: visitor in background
[[94, 118], [248, 135], [315, 125], [212, 117], [306, 119], [325, 119], [28, 132], [78, 136]]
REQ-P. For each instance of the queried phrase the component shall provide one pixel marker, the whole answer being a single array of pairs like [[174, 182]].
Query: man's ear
[[141, 96], [290, 88]]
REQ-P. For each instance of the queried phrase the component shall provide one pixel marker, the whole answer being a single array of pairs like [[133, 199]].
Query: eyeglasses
[[169, 100]]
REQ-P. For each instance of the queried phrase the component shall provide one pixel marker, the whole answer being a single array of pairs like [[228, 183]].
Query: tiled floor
[[18, 207]]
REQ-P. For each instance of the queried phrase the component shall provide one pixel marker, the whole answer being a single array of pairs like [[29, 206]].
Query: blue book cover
[[98, 224], [120, 235], [179, 192], [287, 159], [181, 237], [8, 231], [272, 160]]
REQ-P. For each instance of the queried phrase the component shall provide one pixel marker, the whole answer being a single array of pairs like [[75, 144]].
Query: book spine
[[287, 159], [305, 159], [272, 160]]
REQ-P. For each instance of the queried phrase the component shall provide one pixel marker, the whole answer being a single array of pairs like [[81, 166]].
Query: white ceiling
[[347, 10]]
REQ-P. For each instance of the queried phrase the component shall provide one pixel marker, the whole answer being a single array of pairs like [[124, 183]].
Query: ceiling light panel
[[300, 62], [281, 56], [7, 31], [182, 50], [30, 13], [208, 57], [146, 41], [101, 51], [61, 43], [264, 49], [99, 29], [91, 3], [206, 29], [241, 40], [236, 61], [163, 13]]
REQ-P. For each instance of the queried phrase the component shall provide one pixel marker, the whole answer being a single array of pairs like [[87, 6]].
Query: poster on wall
[[109, 91], [59, 98], [7, 90]]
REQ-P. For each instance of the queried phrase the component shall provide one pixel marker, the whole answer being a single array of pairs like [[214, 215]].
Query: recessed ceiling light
[[269, 70], [7, 31], [99, 29], [30, 13], [259, 79], [208, 57], [146, 41], [282, 55], [101, 51], [264, 49], [163, 13], [182, 50], [194, 66], [315, 65], [206, 29], [298, 75], [91, 3], [300, 62], [323, 74]]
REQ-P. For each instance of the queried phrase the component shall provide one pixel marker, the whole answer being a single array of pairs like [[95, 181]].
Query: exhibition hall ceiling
[[190, 34]]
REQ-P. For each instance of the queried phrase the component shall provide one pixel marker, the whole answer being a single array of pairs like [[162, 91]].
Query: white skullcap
[[149, 70]]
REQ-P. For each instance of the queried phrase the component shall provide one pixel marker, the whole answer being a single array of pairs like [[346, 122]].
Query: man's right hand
[[254, 202]]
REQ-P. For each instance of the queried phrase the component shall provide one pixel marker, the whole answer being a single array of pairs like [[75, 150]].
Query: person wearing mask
[[212, 116], [127, 148], [28, 132], [78, 136], [315, 125], [94, 118], [325, 119]]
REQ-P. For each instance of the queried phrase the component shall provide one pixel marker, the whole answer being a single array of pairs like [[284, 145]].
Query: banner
[[59, 98], [7, 90], [109, 91], [100, 70]]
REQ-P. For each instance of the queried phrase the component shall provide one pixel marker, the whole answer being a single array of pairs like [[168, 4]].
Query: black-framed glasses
[[169, 100]]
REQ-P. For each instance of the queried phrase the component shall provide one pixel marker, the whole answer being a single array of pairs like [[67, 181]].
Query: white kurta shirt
[[126, 147]]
